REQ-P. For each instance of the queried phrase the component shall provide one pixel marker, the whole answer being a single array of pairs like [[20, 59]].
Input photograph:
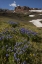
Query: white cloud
[[13, 4]]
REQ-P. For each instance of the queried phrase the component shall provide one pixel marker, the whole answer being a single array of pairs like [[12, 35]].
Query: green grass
[[23, 23]]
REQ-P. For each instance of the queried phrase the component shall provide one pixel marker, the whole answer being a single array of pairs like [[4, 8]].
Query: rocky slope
[[24, 9]]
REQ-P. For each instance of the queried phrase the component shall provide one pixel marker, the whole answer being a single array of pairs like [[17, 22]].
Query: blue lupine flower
[[27, 32], [18, 59], [8, 49], [8, 37], [1, 38], [11, 50], [22, 30], [20, 53], [14, 24], [24, 62], [6, 45], [15, 54], [7, 55]]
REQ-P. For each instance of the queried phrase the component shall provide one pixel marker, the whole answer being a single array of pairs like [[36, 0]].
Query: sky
[[11, 4]]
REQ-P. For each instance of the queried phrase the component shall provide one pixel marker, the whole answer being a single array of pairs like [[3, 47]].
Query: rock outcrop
[[21, 9]]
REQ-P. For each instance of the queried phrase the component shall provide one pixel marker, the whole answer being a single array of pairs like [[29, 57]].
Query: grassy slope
[[23, 19], [23, 23]]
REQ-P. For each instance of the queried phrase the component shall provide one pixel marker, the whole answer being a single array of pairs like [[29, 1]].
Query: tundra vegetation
[[20, 41]]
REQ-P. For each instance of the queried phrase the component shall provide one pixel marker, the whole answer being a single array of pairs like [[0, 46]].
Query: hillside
[[20, 37]]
